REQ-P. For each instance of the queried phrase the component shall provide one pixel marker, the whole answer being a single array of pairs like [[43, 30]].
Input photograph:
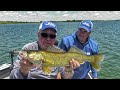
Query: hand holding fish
[[68, 70], [25, 64], [74, 64]]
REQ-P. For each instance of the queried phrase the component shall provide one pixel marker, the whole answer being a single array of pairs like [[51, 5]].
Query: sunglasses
[[82, 30], [45, 35]]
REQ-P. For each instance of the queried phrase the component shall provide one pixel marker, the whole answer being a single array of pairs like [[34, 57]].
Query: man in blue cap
[[23, 69], [81, 39]]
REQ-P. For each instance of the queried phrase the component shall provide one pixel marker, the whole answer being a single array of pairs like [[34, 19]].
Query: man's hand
[[73, 64], [68, 70], [25, 65]]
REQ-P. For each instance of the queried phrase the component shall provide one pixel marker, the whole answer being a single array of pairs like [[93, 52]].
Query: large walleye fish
[[55, 57]]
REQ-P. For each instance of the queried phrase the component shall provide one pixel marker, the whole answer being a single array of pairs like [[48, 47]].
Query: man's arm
[[15, 73]]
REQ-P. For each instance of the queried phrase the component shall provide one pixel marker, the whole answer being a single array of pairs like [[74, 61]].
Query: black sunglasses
[[45, 35], [82, 30]]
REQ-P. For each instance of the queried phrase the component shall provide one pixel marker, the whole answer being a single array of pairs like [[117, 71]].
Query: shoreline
[[16, 22]]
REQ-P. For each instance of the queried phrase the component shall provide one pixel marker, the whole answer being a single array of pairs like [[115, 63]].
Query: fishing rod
[[12, 54]]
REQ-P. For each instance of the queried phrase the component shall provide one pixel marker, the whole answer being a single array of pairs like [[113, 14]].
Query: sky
[[37, 16]]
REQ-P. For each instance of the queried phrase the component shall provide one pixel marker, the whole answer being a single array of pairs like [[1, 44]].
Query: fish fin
[[97, 61], [54, 48], [76, 49], [46, 70]]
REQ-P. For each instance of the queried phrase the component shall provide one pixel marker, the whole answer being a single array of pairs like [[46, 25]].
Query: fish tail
[[97, 61], [99, 57]]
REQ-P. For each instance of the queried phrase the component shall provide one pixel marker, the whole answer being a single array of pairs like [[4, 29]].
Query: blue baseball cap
[[86, 24], [47, 24]]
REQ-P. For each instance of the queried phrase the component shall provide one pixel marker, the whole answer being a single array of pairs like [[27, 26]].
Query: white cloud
[[65, 12], [36, 16], [65, 15], [41, 12], [58, 12]]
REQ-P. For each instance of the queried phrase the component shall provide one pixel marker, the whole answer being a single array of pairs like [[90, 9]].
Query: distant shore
[[15, 22]]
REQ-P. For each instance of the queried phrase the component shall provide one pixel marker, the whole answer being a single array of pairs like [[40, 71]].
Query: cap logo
[[86, 24], [44, 25], [51, 24]]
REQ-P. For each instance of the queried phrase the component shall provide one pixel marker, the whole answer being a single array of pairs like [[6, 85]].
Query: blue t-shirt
[[90, 48]]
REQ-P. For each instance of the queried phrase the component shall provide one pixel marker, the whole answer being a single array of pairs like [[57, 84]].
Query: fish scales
[[55, 57]]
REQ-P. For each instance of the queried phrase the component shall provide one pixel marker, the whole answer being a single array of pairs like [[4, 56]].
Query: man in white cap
[[81, 39], [23, 69]]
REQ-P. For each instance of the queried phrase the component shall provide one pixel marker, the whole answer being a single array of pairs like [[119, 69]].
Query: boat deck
[[5, 71], [6, 77]]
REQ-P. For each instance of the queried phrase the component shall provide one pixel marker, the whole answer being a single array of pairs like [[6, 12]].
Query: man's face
[[82, 35], [46, 38]]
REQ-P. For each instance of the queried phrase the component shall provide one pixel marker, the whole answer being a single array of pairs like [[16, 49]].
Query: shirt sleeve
[[66, 74], [62, 45], [76, 73], [15, 73], [94, 73]]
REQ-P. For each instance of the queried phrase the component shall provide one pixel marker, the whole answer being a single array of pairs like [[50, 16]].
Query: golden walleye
[[55, 57]]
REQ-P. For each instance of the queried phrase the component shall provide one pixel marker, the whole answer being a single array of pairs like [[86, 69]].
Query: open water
[[106, 33]]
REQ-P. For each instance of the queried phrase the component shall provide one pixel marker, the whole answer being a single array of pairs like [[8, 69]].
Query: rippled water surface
[[106, 33]]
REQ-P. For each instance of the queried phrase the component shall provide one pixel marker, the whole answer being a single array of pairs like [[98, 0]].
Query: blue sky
[[36, 16]]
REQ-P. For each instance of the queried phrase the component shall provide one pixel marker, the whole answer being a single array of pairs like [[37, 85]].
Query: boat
[[5, 70]]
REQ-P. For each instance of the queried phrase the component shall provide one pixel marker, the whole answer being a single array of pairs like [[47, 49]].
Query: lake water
[[106, 33]]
